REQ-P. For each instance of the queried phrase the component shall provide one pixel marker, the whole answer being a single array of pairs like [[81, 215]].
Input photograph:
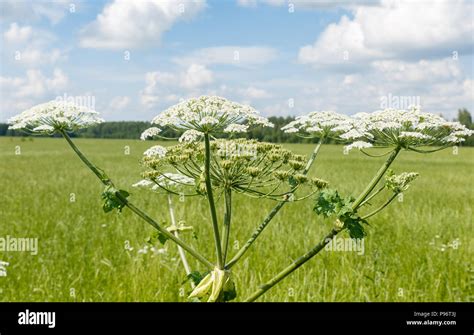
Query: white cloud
[[233, 55], [119, 102], [29, 47], [423, 70], [197, 75], [247, 3], [394, 29], [17, 34], [252, 92], [19, 93], [28, 10], [161, 86], [303, 4], [129, 23]]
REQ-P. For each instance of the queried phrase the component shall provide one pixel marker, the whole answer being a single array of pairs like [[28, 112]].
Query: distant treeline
[[133, 129]]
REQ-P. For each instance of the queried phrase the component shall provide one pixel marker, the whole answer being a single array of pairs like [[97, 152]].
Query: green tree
[[464, 117]]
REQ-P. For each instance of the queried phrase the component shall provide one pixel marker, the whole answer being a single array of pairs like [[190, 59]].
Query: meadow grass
[[82, 254]]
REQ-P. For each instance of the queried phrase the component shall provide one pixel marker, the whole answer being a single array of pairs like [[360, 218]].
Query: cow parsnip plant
[[206, 166]]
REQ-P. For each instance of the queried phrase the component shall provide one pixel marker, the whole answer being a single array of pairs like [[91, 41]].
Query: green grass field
[[409, 254]]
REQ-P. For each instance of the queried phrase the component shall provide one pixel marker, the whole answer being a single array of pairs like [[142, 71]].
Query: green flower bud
[[296, 165], [281, 175], [227, 164], [253, 171], [300, 178], [319, 183]]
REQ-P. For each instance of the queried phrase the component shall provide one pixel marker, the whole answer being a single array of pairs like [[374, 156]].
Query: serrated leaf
[[111, 200], [195, 276]]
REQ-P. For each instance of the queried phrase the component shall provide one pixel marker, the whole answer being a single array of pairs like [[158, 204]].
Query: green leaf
[[112, 200], [229, 292], [355, 228], [329, 202], [157, 236], [162, 238], [195, 276]]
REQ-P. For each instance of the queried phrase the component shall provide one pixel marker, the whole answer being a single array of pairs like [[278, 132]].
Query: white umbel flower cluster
[[156, 151], [358, 145], [399, 183], [53, 116], [150, 133], [406, 128], [317, 124], [210, 114], [190, 136], [166, 180]]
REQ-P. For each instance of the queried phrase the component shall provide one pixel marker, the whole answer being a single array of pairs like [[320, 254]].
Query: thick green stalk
[[376, 178], [227, 221], [272, 213], [316, 249], [100, 174], [210, 197], [106, 181], [385, 204], [292, 267]]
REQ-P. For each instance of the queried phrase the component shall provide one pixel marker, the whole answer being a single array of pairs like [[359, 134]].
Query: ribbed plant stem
[[385, 204], [106, 181], [376, 179], [316, 249], [292, 267], [272, 213], [210, 197], [227, 221]]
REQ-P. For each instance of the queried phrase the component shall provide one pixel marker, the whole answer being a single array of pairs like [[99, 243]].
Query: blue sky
[[135, 58]]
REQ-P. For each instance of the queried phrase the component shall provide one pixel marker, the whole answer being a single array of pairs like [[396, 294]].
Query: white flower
[[400, 183], [174, 179], [358, 145], [236, 128], [325, 123], [143, 183], [405, 128], [190, 136], [156, 151], [168, 180], [53, 116], [208, 120], [209, 114], [43, 128], [414, 135], [150, 133]]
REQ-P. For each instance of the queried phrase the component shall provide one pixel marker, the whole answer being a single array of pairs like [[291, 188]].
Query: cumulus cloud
[[252, 92], [160, 86], [119, 102], [131, 24], [26, 46], [232, 55], [421, 71], [395, 29], [19, 93], [31, 10], [197, 75]]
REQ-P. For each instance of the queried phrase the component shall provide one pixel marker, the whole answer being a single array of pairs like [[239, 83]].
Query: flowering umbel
[[319, 124], [245, 166], [408, 129], [54, 116], [209, 114]]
